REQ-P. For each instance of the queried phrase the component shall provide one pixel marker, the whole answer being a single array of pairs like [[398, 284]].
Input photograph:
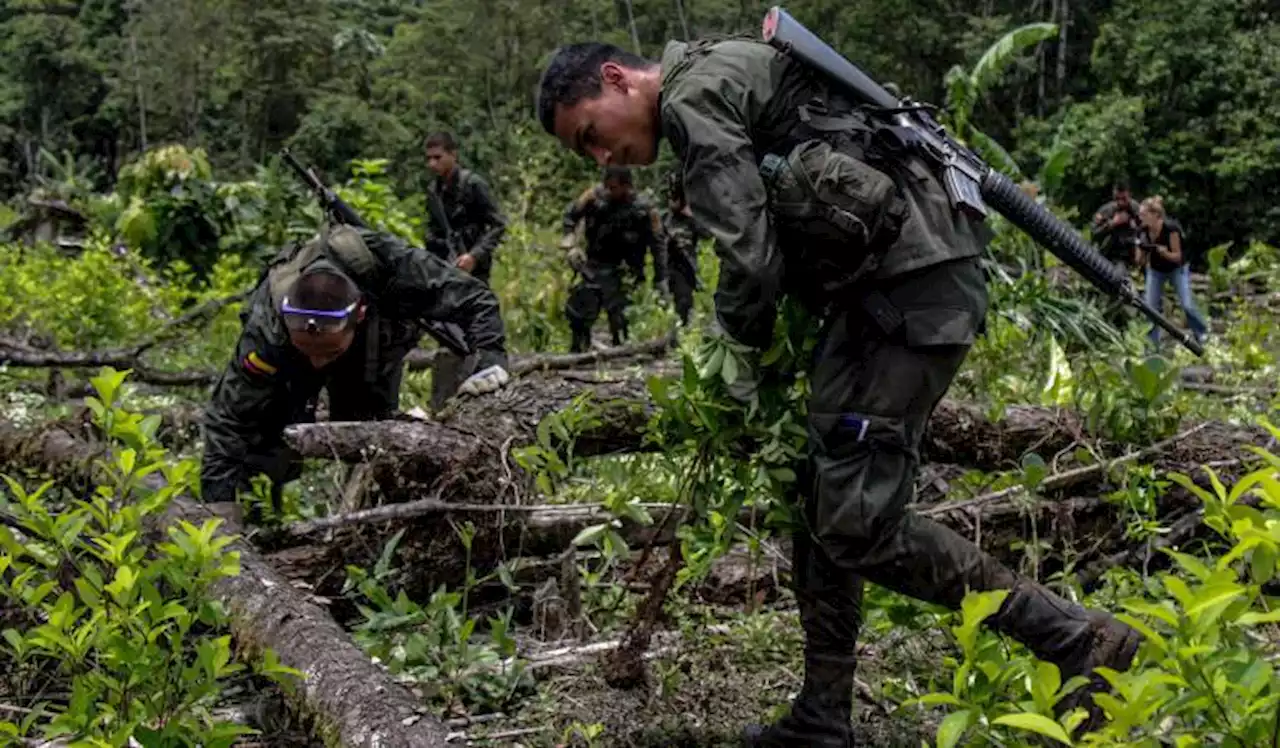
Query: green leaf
[[729, 371], [589, 535], [999, 55], [1037, 723], [953, 727]]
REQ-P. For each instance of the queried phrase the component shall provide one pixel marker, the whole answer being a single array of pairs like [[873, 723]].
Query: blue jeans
[[1182, 284]]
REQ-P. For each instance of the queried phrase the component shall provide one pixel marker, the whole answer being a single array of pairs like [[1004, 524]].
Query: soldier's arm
[[1102, 222], [436, 234], [494, 221], [576, 211], [422, 286], [247, 410], [706, 119]]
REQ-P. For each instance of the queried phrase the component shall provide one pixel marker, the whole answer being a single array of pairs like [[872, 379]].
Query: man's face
[[619, 192], [322, 347], [1122, 198], [618, 127], [441, 161]]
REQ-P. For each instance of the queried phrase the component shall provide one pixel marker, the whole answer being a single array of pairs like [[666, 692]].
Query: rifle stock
[[971, 183], [446, 334]]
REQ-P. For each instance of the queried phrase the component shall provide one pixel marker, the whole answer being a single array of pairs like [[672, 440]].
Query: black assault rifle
[[971, 184], [447, 334]]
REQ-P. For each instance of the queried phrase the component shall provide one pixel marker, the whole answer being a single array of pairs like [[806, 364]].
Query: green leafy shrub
[[125, 624]]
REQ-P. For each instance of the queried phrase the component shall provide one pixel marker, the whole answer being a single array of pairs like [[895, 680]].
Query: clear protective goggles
[[316, 320]]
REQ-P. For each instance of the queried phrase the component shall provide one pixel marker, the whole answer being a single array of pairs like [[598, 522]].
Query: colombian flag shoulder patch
[[254, 364]]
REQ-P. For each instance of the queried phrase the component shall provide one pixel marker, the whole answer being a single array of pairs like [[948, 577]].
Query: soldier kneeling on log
[[338, 312]]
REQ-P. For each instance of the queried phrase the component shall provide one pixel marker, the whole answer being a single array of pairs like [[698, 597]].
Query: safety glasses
[[316, 320]]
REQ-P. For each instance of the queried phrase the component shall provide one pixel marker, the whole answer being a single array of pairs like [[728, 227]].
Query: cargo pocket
[[861, 466], [831, 209], [939, 326]]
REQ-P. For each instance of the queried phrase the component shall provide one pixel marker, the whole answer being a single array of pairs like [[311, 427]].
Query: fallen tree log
[[352, 701], [419, 360]]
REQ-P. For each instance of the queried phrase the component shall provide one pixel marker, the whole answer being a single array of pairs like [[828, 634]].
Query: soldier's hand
[[567, 241], [664, 289], [466, 263], [577, 258], [485, 380]]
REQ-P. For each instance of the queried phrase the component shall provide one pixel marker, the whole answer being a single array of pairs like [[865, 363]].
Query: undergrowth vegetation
[[111, 636]]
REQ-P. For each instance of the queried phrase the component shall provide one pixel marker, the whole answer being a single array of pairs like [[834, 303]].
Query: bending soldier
[[465, 227], [619, 226], [339, 312], [893, 271], [682, 236]]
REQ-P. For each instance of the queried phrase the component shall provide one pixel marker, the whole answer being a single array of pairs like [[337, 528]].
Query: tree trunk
[[353, 702]]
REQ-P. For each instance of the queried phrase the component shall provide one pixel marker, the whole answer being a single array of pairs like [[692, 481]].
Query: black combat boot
[[1071, 636], [820, 714]]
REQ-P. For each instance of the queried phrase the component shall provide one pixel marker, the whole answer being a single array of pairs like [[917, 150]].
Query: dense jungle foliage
[[157, 123]]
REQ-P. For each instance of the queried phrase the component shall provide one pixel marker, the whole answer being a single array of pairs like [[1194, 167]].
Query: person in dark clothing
[[465, 227], [894, 274], [1115, 227], [338, 312], [1161, 249], [619, 226]]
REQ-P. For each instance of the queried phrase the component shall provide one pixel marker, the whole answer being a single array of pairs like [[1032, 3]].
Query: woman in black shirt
[[1162, 252]]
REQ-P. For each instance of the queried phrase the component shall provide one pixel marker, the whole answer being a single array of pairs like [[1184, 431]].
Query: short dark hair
[[619, 174], [323, 288], [574, 74], [1121, 185], [442, 140]]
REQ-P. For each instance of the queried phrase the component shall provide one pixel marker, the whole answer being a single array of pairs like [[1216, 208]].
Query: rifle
[[971, 183], [447, 334]]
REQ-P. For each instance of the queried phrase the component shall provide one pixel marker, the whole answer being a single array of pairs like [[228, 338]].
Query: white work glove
[[485, 380]]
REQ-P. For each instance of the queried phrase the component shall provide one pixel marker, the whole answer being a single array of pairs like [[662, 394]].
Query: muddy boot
[[1074, 638], [821, 713]]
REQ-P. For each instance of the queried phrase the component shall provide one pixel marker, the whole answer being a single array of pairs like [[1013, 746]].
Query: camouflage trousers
[[874, 390], [604, 286]]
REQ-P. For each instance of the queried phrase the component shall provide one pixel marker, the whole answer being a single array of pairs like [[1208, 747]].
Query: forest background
[[1176, 95]]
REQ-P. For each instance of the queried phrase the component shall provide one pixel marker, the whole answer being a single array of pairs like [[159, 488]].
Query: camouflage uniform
[[1116, 243], [779, 169], [463, 218], [268, 384], [617, 234]]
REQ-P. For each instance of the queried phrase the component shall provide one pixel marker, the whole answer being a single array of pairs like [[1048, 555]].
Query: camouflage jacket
[[1116, 242], [268, 384], [682, 236], [725, 105], [619, 233], [465, 206]]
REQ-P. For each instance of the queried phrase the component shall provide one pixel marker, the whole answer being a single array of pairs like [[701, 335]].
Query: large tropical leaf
[[1055, 167], [994, 153], [999, 55]]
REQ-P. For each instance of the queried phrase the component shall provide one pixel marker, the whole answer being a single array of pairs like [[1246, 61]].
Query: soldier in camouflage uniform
[[682, 236], [783, 172], [619, 225], [465, 227], [338, 312], [1115, 227]]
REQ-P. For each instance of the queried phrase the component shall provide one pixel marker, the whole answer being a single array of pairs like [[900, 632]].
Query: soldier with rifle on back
[[338, 312], [619, 226], [465, 227], [811, 191]]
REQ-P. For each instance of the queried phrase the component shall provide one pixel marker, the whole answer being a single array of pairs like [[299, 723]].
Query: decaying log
[[353, 702]]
